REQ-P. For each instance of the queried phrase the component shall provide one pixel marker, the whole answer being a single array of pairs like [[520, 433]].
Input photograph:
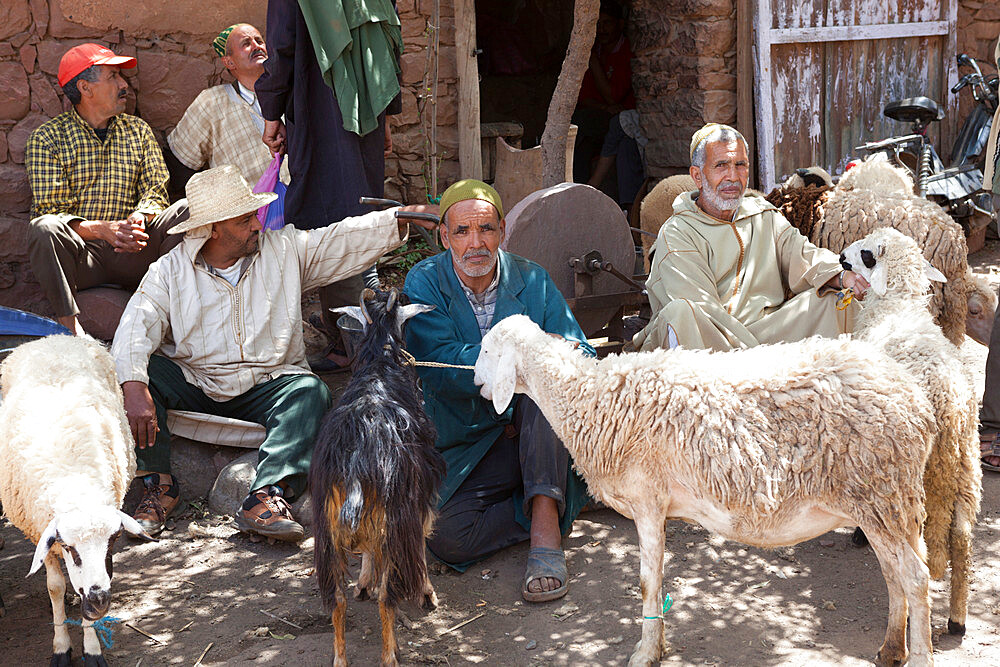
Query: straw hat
[[219, 194]]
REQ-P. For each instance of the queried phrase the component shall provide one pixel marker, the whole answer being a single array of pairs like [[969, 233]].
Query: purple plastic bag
[[272, 216]]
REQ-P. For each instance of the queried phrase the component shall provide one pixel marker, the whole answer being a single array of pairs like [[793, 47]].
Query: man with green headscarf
[[332, 74], [729, 271]]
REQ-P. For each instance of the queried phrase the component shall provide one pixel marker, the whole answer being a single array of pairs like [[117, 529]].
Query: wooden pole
[[581, 40], [470, 156], [744, 80]]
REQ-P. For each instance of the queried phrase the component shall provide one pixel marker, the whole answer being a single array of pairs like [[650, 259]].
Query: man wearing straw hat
[[216, 327], [725, 263], [509, 476]]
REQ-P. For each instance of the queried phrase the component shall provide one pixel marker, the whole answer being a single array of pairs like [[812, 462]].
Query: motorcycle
[[957, 188]]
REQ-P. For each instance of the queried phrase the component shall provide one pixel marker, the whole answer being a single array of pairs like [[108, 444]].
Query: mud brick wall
[[171, 41]]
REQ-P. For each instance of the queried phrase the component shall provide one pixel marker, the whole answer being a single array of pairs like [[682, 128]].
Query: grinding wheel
[[555, 224]]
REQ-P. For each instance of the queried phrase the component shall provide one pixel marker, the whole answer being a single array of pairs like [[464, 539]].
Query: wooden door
[[824, 69]]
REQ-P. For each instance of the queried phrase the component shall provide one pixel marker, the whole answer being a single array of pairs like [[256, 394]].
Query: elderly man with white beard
[[730, 272]]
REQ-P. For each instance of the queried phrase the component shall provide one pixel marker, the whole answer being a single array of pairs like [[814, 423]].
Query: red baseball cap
[[83, 56]]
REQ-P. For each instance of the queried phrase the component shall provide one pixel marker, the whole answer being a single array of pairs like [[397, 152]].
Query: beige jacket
[[991, 176], [228, 339], [737, 273]]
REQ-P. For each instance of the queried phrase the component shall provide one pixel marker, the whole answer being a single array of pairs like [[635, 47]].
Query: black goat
[[375, 475]]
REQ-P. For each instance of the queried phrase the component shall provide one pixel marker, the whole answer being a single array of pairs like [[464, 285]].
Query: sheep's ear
[[879, 279], [406, 312], [45, 543], [504, 380], [352, 311], [133, 528], [932, 273]]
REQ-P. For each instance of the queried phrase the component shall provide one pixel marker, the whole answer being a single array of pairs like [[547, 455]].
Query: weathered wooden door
[[824, 70]]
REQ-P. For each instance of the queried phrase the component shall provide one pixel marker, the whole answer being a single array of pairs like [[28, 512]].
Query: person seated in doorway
[[509, 477], [98, 184], [223, 125], [606, 89], [216, 327], [725, 263]]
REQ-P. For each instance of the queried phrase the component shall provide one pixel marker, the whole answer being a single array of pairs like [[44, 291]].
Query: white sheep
[[877, 194], [769, 446], [895, 319], [68, 460]]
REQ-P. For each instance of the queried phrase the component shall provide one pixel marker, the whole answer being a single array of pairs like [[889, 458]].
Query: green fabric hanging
[[357, 44]]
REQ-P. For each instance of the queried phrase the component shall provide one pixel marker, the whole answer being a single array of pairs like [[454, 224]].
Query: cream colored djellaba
[[770, 446], [896, 319], [67, 461]]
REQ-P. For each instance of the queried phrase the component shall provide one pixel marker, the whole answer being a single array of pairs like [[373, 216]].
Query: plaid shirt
[[483, 305], [220, 128], [73, 174]]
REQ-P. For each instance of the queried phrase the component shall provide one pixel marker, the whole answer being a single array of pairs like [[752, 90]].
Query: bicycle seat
[[921, 110]]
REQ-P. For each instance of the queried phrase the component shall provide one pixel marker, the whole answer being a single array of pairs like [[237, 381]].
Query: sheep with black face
[[375, 475], [68, 460]]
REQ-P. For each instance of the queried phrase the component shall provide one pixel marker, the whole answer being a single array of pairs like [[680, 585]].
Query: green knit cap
[[219, 43], [470, 189]]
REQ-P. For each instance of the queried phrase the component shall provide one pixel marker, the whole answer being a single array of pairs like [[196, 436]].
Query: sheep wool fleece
[[722, 285]]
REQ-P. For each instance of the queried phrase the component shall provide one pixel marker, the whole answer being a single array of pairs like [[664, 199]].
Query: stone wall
[[684, 73], [171, 41], [978, 31]]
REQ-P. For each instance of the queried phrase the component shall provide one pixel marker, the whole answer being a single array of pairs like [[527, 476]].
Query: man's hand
[[274, 136], [852, 280], [141, 413], [429, 225]]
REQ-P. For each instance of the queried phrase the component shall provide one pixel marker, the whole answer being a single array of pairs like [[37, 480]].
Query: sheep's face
[[496, 367], [887, 257], [86, 538]]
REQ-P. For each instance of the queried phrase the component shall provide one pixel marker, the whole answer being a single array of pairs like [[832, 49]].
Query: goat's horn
[[366, 293], [393, 295]]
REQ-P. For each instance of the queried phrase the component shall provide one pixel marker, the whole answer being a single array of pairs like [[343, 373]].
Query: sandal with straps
[[991, 440], [545, 562]]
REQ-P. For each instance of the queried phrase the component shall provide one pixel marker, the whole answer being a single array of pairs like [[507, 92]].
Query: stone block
[[233, 484], [50, 52], [15, 16], [27, 54], [3, 146], [13, 231], [196, 466], [413, 65], [65, 20], [413, 28], [40, 15], [720, 106], [194, 17], [44, 96], [168, 83], [17, 138], [991, 12], [14, 102], [408, 114], [6, 49], [101, 309], [15, 193]]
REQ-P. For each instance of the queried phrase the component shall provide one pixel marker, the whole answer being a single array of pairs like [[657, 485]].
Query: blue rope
[[668, 602], [102, 626]]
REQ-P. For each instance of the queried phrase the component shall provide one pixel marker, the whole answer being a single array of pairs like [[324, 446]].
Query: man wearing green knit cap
[[509, 477], [729, 271]]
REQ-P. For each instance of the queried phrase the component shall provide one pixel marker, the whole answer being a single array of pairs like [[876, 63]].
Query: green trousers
[[290, 407]]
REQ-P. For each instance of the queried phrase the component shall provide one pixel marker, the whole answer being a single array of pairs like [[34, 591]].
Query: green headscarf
[[357, 45], [469, 189], [219, 43]]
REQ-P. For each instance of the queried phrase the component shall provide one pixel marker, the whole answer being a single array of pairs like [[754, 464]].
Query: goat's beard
[[716, 200], [478, 270]]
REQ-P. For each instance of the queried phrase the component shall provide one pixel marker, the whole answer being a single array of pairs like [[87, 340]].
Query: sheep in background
[[68, 460], [876, 194], [896, 320], [658, 205], [769, 446], [375, 475]]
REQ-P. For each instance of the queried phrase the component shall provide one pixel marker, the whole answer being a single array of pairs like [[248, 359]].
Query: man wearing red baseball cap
[[98, 182]]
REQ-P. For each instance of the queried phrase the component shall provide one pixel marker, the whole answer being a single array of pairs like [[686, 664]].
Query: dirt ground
[[204, 585]]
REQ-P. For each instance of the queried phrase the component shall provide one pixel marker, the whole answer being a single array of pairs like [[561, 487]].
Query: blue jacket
[[467, 426]]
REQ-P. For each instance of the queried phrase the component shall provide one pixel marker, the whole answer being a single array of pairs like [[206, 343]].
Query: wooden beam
[[949, 75], [765, 104], [470, 153], [849, 33], [744, 80]]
